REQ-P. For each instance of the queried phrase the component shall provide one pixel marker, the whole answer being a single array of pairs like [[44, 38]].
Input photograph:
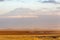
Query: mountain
[[19, 11], [42, 22], [30, 12], [24, 12]]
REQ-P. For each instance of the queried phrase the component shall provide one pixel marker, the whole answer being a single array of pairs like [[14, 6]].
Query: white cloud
[[18, 16], [32, 4]]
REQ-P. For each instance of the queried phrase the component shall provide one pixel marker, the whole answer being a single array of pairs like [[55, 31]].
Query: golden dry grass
[[28, 37], [17, 37]]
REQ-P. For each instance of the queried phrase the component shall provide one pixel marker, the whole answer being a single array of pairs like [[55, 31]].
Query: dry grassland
[[28, 37]]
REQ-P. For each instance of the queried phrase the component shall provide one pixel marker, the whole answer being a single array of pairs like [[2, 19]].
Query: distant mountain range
[[19, 11], [23, 12], [47, 22], [30, 12]]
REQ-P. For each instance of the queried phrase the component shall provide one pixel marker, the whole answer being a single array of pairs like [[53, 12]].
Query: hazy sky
[[7, 6], [34, 20]]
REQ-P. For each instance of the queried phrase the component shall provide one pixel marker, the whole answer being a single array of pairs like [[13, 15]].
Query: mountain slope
[[18, 11]]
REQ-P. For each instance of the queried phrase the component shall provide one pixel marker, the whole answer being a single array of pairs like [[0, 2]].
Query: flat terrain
[[29, 35], [29, 32]]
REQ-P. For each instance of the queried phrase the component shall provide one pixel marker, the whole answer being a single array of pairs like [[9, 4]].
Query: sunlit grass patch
[[28, 37]]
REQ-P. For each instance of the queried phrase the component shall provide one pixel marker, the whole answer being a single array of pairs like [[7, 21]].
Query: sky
[[22, 14], [7, 6]]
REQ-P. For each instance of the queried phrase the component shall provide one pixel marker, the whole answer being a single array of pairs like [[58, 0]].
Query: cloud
[[31, 4], [18, 16]]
